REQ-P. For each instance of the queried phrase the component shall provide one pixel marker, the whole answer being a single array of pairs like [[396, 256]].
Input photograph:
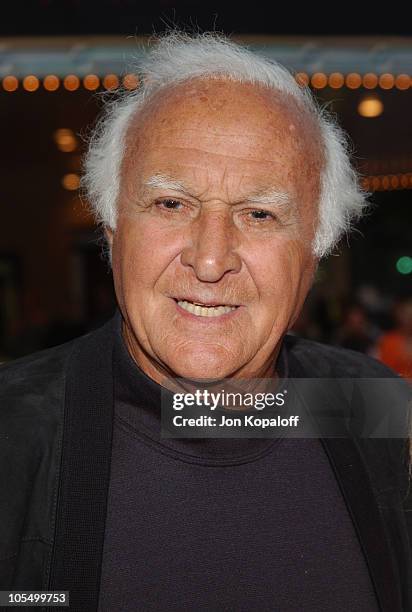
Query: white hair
[[179, 57]]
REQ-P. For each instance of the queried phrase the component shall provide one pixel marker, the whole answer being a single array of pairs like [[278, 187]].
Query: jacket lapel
[[349, 468], [349, 465], [85, 471]]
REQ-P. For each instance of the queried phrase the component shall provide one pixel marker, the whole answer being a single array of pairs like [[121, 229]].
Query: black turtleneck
[[222, 524]]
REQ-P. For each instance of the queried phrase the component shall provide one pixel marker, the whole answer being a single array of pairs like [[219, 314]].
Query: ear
[[108, 232], [108, 247]]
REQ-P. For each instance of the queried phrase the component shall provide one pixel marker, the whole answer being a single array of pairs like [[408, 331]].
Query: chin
[[202, 366]]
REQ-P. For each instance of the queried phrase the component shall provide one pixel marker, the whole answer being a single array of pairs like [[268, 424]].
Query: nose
[[210, 251]]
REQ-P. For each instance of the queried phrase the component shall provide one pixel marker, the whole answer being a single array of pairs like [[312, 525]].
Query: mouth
[[201, 309]]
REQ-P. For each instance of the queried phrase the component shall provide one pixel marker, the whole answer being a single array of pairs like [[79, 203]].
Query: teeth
[[205, 311]]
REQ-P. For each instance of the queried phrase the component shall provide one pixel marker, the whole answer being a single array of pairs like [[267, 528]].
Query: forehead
[[244, 132]]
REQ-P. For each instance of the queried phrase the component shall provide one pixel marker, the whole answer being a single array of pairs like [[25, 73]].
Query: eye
[[169, 204], [261, 215]]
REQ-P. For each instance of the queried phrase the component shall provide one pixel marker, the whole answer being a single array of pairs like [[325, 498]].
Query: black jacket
[[56, 411]]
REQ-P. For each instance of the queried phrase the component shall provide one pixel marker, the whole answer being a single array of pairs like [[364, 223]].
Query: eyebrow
[[161, 181], [271, 197], [268, 197]]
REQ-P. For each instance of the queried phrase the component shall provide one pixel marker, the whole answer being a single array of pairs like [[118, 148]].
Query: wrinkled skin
[[222, 141]]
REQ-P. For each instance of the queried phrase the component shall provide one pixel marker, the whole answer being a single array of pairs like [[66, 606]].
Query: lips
[[205, 309], [204, 302]]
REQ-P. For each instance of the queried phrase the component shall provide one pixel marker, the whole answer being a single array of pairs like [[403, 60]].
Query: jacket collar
[[85, 475], [85, 471]]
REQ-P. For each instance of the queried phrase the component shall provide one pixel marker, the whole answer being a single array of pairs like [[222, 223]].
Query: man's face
[[218, 206]]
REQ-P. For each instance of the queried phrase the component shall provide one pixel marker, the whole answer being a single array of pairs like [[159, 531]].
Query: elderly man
[[219, 184]]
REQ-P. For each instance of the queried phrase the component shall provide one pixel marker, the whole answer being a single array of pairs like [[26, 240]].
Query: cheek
[[142, 254], [281, 274]]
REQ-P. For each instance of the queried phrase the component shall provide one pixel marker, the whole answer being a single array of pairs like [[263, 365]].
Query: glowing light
[[403, 81], [10, 83], [31, 83], [370, 80], [319, 80], [336, 80], [353, 80], [394, 181], [404, 265], [370, 107], [386, 81], [65, 140], [91, 82], [130, 81], [376, 183], [71, 82], [404, 181], [111, 81], [387, 182], [302, 79], [51, 82], [71, 181]]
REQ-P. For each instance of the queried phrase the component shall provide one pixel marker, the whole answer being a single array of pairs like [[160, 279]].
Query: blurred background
[[58, 59]]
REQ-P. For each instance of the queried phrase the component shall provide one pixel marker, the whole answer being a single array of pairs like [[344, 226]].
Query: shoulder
[[33, 371], [32, 392], [381, 410], [325, 361], [32, 402], [32, 388], [34, 385]]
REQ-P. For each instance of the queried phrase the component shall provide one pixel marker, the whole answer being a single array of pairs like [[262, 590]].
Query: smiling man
[[224, 177], [219, 184]]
